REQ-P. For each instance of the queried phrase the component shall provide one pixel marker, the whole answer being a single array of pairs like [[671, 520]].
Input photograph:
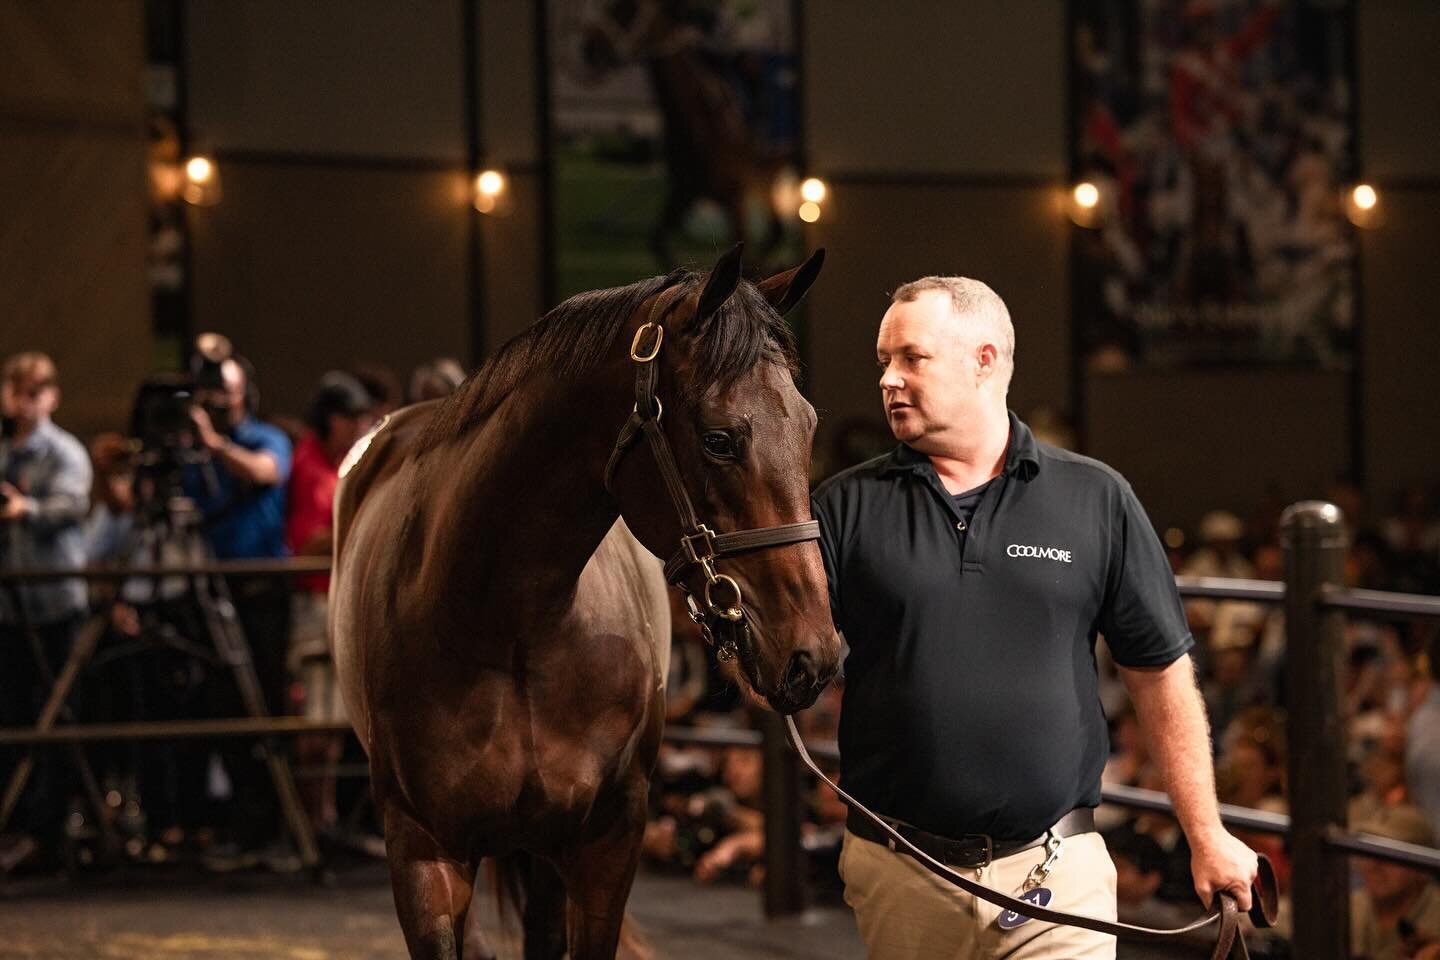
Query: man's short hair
[[972, 301], [339, 393], [32, 367]]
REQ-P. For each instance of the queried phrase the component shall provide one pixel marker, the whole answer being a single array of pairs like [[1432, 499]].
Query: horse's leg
[[672, 216], [600, 872], [432, 891], [544, 915]]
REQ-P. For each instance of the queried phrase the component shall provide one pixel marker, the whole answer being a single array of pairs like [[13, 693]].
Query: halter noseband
[[699, 545]]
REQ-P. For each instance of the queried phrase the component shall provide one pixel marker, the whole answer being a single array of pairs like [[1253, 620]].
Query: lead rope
[[1230, 943]]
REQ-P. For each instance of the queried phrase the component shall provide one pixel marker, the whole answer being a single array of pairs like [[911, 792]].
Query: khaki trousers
[[904, 911]]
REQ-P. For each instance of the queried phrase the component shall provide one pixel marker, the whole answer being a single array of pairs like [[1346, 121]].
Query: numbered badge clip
[[1034, 891]]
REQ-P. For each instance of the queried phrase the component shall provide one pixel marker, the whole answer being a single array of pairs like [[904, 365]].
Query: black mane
[[578, 333]]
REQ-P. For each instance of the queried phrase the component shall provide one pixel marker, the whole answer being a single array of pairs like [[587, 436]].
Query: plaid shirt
[[52, 467]]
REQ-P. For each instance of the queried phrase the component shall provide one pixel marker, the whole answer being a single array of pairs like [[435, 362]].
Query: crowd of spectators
[[264, 489], [221, 483]]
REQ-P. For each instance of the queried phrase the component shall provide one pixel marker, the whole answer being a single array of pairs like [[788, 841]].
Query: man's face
[[230, 397], [1390, 884], [28, 402], [928, 371], [346, 429]]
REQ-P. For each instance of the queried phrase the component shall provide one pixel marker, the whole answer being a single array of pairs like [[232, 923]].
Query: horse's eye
[[719, 445]]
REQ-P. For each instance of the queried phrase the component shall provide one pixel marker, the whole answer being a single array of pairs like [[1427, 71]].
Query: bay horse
[[711, 150], [499, 620]]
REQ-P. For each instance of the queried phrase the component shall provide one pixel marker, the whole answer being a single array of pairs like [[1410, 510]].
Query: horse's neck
[[518, 501]]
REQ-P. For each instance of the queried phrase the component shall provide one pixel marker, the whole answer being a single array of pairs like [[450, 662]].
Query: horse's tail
[[508, 875]]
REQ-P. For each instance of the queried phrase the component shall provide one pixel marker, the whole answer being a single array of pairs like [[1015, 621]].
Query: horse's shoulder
[[378, 455]]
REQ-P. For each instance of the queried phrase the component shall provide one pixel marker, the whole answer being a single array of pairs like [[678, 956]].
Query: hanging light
[[1083, 204], [491, 186], [201, 185], [1362, 205]]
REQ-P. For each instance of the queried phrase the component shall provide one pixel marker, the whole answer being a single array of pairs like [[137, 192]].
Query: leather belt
[[968, 850]]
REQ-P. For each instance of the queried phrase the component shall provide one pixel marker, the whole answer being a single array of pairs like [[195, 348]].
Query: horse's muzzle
[[801, 684]]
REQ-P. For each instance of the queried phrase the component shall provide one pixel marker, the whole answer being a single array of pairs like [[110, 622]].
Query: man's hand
[[209, 437], [14, 505], [1223, 864]]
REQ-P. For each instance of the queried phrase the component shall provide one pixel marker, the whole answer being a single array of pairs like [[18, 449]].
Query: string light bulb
[[201, 185], [490, 186]]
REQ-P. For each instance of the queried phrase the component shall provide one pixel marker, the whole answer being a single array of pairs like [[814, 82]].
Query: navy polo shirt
[[971, 698]]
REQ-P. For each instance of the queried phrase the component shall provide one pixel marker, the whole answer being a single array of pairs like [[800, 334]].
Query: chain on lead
[[723, 652]]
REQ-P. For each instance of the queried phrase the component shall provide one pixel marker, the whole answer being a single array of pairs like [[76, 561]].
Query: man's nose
[[891, 380]]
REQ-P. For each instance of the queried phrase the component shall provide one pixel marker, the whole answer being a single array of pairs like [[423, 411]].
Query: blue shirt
[[240, 521], [51, 467]]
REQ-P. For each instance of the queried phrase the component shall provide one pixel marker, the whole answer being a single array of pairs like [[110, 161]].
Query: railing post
[[784, 860], [1313, 537]]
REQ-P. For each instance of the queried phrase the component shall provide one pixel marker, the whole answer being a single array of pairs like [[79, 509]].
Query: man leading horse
[[970, 570]]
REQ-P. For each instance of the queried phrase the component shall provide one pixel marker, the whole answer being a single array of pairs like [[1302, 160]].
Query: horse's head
[[728, 438]]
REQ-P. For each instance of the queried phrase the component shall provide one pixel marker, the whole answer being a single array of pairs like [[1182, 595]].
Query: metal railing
[[1315, 603]]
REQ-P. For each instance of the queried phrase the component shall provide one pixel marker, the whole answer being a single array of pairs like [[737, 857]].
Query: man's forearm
[[1172, 715], [255, 467]]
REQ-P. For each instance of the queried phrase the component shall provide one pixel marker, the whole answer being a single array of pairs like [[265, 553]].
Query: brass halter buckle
[[706, 559], [654, 350]]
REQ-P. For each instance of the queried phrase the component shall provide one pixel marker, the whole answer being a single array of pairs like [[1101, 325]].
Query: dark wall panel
[[913, 86], [313, 267], [1198, 441], [72, 201], [880, 236], [513, 278], [360, 77], [1401, 384]]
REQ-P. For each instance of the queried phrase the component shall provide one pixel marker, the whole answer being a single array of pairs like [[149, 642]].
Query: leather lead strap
[[1230, 944]]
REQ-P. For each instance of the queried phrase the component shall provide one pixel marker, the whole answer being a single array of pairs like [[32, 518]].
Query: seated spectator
[[1422, 743], [1412, 533], [45, 481], [1139, 873], [438, 378], [1219, 555], [339, 416], [382, 385], [1396, 913], [240, 494]]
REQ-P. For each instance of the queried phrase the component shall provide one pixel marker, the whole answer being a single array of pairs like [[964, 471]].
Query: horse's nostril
[[801, 674]]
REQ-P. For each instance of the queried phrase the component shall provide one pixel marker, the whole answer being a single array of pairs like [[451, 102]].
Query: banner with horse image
[[1220, 134], [674, 132]]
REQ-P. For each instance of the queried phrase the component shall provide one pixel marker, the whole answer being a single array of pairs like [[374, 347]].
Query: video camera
[[160, 419]]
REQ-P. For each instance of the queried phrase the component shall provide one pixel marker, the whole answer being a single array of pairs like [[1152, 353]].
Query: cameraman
[[240, 494], [44, 494]]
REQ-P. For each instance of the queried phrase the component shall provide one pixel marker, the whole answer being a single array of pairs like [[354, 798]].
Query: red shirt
[[312, 498]]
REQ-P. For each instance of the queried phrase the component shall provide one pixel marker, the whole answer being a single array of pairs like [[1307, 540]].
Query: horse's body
[[502, 638], [711, 151]]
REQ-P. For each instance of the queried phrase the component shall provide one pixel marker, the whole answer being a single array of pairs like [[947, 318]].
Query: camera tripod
[[170, 529]]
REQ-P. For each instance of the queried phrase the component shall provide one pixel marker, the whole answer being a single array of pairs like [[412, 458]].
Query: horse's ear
[[785, 290], [724, 277]]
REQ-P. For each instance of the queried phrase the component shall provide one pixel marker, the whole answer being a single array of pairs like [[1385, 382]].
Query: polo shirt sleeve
[[1142, 618], [830, 553]]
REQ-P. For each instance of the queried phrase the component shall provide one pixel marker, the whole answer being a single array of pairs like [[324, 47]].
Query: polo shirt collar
[[1022, 456]]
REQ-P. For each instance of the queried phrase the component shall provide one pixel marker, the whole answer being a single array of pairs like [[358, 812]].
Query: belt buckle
[[989, 849]]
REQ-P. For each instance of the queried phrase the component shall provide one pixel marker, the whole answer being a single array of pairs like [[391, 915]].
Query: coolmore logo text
[[1043, 553]]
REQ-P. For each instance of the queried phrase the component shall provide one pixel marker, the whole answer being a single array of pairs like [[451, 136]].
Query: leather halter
[[699, 544], [1230, 942]]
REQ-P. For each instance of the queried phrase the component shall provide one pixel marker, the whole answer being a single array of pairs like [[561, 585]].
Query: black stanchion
[[1313, 537], [784, 859]]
